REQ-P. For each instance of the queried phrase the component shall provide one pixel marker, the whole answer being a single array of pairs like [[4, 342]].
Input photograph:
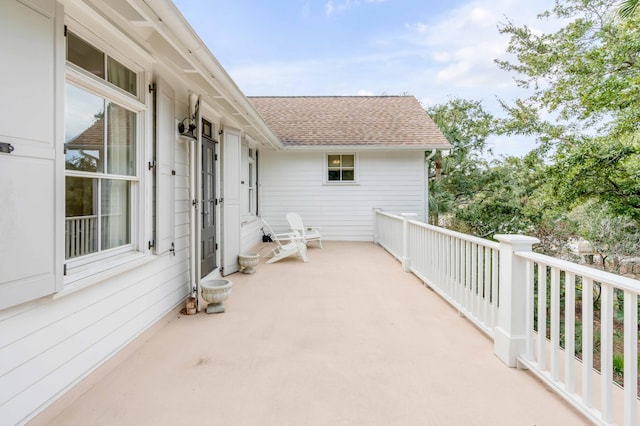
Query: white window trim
[[356, 169], [252, 186], [250, 201], [94, 267]]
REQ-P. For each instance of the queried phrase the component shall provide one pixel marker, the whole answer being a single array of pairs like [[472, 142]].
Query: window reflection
[[84, 55], [121, 127], [116, 227], [81, 211], [84, 131]]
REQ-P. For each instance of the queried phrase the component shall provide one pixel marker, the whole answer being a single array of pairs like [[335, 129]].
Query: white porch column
[[510, 333], [406, 260]]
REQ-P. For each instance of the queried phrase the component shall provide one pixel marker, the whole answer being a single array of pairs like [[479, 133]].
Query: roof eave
[[366, 147]]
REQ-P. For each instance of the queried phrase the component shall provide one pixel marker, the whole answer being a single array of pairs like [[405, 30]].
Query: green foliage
[[628, 8], [612, 236], [456, 177], [584, 106], [618, 364]]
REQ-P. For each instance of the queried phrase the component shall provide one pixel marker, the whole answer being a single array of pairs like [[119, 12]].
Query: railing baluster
[[529, 308], [630, 358], [587, 342], [569, 330], [555, 323], [474, 280], [488, 319], [606, 351], [542, 315], [456, 271], [495, 283], [467, 277]]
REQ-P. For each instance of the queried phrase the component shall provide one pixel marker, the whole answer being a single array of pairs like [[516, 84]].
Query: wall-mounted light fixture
[[187, 128]]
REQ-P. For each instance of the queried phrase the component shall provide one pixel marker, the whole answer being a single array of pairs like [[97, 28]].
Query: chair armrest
[[290, 236]]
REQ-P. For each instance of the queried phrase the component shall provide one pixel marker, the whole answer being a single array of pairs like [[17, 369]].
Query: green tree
[[628, 8], [584, 106], [455, 177], [612, 237]]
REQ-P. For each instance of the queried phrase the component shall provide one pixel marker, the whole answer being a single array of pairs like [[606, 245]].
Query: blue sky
[[434, 50]]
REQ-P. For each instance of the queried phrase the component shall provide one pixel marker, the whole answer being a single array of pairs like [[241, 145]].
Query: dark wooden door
[[208, 235]]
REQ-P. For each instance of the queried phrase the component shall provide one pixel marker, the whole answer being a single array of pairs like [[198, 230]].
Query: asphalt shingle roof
[[374, 121]]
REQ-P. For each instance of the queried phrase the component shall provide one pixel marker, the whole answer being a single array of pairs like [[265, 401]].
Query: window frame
[[253, 181], [249, 167], [356, 168], [97, 263]]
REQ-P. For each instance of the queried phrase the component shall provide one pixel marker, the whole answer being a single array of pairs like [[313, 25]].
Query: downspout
[[198, 205], [195, 162], [193, 214], [427, 159]]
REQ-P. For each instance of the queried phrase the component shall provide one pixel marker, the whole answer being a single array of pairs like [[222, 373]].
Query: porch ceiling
[[347, 338]]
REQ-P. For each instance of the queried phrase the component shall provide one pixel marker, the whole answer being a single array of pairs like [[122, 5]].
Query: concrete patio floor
[[346, 339]]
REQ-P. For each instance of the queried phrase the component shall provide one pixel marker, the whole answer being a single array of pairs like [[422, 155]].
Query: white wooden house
[[131, 166], [343, 157]]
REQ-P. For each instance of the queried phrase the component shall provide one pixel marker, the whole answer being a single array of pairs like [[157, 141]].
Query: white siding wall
[[48, 345], [250, 234], [294, 181]]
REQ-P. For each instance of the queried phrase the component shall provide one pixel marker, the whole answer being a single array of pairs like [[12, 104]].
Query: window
[[252, 182], [249, 179], [101, 172], [97, 63], [341, 168]]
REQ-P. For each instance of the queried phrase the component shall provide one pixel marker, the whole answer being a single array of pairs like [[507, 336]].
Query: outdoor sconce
[[188, 128]]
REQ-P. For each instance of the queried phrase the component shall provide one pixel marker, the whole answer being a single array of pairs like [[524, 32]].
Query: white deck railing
[[461, 268], [81, 235], [554, 357], [389, 232], [507, 290]]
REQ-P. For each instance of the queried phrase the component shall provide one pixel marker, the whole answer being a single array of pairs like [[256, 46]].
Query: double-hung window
[[341, 168], [249, 179], [102, 123], [252, 183]]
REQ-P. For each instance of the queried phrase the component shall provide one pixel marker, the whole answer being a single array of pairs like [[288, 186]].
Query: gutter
[[427, 160]]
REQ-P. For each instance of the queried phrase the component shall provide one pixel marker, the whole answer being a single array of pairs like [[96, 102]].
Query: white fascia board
[[324, 148]]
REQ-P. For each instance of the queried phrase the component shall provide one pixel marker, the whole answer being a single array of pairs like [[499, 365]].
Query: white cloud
[[363, 92], [465, 41], [448, 56], [330, 7]]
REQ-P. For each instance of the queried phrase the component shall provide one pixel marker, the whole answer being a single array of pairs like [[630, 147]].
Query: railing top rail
[[602, 277], [438, 229], [80, 217], [459, 235], [395, 216]]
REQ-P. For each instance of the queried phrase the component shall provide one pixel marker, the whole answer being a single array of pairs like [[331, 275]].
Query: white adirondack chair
[[295, 245], [307, 233]]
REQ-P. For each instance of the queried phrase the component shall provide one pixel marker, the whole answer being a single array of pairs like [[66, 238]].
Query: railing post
[[375, 224], [510, 332], [406, 259]]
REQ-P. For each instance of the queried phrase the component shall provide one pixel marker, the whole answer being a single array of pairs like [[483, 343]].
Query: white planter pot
[[247, 262], [214, 292]]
